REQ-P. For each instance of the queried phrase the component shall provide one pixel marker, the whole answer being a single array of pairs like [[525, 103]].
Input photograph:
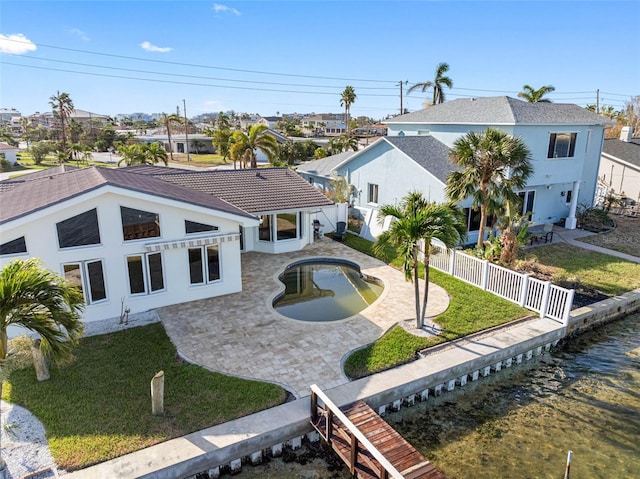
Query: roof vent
[[626, 133]]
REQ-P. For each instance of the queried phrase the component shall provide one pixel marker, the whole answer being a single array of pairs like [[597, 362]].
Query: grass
[[608, 274], [470, 310], [204, 160], [99, 407]]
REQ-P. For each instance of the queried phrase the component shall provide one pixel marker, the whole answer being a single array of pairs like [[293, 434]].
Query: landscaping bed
[[625, 237]]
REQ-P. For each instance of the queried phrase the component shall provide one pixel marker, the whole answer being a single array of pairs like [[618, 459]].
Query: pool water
[[325, 291]]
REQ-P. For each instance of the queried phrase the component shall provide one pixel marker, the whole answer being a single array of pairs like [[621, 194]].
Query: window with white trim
[[16, 246], [373, 193], [528, 199], [138, 224], [79, 230], [88, 277], [192, 227], [562, 145], [204, 264], [145, 273]]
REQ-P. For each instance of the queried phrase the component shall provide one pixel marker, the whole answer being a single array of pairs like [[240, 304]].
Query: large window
[[81, 230], [137, 224], [204, 264], [528, 198], [15, 246], [191, 227], [562, 145], [88, 276], [373, 193], [145, 273], [287, 226], [264, 230], [473, 219]]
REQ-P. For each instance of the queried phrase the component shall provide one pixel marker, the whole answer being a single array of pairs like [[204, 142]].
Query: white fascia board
[[618, 160]]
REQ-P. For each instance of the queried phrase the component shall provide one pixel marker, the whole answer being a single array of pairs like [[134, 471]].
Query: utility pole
[[401, 95], [598, 101], [186, 130]]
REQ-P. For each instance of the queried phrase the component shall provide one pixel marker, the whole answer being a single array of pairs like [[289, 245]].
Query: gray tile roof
[[30, 196], [253, 190], [428, 152], [628, 151], [502, 110], [324, 166]]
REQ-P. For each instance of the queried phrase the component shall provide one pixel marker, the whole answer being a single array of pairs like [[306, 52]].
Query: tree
[[62, 106], [143, 154], [491, 165], [222, 141], [223, 122], [44, 303], [347, 99], [167, 121], [416, 221], [439, 80], [245, 145], [342, 143], [198, 145], [320, 153], [531, 95], [39, 151]]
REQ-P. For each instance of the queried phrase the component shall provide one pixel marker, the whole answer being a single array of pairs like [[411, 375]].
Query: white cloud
[[152, 48], [16, 43], [218, 8], [80, 34]]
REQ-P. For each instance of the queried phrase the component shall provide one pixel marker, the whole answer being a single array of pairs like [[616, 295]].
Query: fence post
[[525, 290], [567, 307], [544, 303], [485, 274], [452, 262]]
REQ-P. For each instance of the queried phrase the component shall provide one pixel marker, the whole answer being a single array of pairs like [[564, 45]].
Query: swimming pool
[[321, 290]]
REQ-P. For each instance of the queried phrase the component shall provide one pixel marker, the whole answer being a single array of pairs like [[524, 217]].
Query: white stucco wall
[[39, 230], [622, 178]]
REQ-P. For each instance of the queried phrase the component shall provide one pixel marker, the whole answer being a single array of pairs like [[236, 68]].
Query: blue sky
[[297, 56]]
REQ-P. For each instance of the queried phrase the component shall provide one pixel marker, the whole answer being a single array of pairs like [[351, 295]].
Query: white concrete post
[[571, 222], [485, 274], [525, 290], [452, 262], [567, 307], [39, 362]]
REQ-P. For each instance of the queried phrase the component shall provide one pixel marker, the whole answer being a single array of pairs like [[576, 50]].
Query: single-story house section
[[145, 237], [9, 152], [565, 143], [620, 165]]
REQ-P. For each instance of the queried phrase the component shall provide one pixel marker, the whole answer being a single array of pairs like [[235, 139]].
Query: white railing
[[546, 299]]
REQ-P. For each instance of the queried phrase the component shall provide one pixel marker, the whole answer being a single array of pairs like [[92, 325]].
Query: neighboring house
[[144, 237], [179, 140], [270, 121], [9, 152], [620, 165], [565, 142], [320, 172]]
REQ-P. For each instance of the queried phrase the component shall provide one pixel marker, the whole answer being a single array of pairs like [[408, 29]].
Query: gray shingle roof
[[253, 190], [428, 152], [502, 110], [29, 196], [324, 166], [628, 151]]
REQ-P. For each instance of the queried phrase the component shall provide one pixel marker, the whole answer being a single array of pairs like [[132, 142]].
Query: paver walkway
[[241, 334]]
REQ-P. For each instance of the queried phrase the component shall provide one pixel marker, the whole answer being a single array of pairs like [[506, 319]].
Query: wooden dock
[[367, 443]]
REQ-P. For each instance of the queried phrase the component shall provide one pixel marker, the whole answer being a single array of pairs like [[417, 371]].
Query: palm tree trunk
[[426, 287], [416, 287]]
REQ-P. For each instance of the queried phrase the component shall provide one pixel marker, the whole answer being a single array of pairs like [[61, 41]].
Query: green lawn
[[607, 274], [99, 407], [470, 310]]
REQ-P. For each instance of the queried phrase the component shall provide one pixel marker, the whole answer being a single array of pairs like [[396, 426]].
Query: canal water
[[520, 423]]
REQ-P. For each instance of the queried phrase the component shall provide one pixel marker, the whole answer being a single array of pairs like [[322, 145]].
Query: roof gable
[[628, 151], [325, 166], [428, 152]]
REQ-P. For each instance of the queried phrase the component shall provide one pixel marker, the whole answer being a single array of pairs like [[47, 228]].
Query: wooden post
[[329, 423], [566, 471], [314, 408], [354, 454], [157, 394], [39, 362]]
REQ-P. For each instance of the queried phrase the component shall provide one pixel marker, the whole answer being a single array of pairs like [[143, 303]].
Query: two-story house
[[565, 141]]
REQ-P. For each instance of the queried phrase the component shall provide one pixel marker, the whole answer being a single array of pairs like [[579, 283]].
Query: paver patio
[[242, 335]]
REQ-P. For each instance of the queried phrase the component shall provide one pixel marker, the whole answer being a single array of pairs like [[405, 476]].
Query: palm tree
[[245, 145], [491, 165], [43, 302], [62, 106], [347, 99], [416, 221], [342, 143], [167, 121], [143, 154], [536, 96], [223, 122], [437, 83]]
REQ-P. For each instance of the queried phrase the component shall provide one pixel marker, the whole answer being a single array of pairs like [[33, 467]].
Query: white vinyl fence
[[543, 297]]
